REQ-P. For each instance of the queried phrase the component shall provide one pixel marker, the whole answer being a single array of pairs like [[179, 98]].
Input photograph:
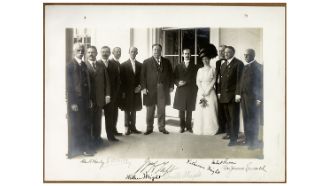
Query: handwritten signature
[[94, 161], [208, 168], [152, 170], [103, 163]]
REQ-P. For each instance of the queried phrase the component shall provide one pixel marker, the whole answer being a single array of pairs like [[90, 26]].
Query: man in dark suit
[[223, 125], [156, 83], [100, 91], [110, 109], [79, 102], [251, 92], [130, 73], [185, 95], [114, 62], [230, 91]]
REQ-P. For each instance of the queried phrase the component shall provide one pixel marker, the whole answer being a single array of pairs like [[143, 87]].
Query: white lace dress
[[205, 118]]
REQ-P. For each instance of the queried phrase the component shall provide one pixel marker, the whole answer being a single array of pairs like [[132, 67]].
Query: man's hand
[[107, 99], [145, 91], [171, 89], [258, 102], [237, 98], [74, 107], [90, 104], [182, 83], [218, 96], [137, 89]]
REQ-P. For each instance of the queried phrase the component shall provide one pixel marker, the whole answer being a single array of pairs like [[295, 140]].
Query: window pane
[[203, 37], [171, 42], [188, 40], [174, 60]]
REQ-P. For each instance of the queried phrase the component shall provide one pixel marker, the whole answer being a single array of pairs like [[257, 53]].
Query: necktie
[[94, 65]]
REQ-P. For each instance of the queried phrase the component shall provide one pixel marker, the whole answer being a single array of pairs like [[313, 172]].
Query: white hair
[[76, 46]]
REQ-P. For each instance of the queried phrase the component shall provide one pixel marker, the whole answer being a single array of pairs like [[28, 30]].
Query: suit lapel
[[155, 64], [130, 66]]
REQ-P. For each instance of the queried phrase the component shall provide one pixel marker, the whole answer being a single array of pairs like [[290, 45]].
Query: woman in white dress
[[205, 117]]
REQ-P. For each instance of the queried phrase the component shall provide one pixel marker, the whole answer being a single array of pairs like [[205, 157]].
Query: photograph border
[[171, 4]]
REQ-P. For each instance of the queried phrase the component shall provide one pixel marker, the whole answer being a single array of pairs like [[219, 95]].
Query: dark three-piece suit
[[251, 91], [230, 77], [132, 101], [100, 87], [157, 79], [111, 109], [185, 96], [78, 89]]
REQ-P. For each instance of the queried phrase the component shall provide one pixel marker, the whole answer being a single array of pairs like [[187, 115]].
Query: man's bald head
[[133, 51], [116, 52], [249, 55]]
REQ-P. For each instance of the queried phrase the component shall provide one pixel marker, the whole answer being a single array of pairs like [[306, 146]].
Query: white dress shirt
[[158, 60], [186, 63], [78, 60], [93, 63], [229, 60], [106, 62], [133, 64]]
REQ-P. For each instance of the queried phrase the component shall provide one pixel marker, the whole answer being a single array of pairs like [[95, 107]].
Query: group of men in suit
[[93, 86], [238, 85]]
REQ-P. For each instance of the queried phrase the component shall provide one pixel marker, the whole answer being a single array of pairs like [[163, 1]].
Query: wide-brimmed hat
[[209, 51]]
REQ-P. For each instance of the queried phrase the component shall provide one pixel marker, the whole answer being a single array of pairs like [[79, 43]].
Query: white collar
[[91, 62], [229, 60], [104, 60], [252, 61], [132, 60], [78, 60], [116, 59], [160, 58]]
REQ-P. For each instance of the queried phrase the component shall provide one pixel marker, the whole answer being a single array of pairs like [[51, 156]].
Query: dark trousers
[[185, 119], [161, 103], [130, 118], [79, 130], [250, 118], [96, 116], [232, 116], [222, 122], [111, 117]]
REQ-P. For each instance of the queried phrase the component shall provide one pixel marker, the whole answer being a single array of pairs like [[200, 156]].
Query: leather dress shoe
[[164, 131], [118, 134], [226, 137], [135, 131], [86, 153], [232, 143], [98, 141], [148, 132], [243, 143], [182, 130], [190, 130], [128, 132], [113, 139]]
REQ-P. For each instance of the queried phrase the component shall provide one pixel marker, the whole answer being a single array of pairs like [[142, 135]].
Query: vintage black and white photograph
[[164, 93]]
